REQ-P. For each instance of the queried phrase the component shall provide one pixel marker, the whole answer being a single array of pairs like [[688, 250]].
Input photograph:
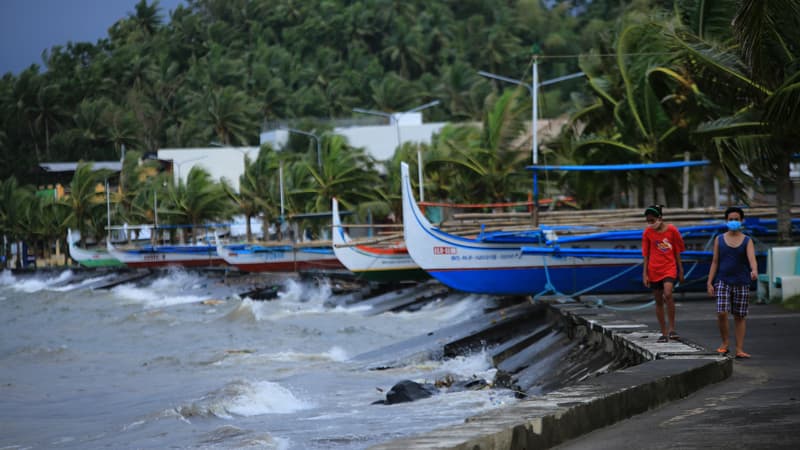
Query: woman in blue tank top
[[733, 267]]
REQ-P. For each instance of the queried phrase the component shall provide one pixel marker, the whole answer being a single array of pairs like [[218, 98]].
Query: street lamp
[[312, 135], [533, 88], [394, 117]]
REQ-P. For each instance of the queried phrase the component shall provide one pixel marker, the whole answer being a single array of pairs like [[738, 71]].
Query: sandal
[[722, 350], [663, 339], [742, 355], [673, 335]]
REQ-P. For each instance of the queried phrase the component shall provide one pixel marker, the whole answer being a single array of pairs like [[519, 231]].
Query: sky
[[27, 27]]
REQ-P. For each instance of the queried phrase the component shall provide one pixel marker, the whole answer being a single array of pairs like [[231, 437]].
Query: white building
[[220, 162]]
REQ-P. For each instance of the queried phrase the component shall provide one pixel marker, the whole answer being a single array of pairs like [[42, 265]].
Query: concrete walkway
[[686, 396], [758, 407]]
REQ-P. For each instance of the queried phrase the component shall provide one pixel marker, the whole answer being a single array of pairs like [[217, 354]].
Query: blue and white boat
[[536, 261]]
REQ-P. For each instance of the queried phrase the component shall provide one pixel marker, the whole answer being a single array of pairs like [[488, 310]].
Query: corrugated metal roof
[[116, 166]]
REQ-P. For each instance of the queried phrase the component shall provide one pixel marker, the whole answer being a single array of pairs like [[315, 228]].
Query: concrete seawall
[[668, 372]]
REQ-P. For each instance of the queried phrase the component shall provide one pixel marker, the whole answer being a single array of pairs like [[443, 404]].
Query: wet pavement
[[757, 407]]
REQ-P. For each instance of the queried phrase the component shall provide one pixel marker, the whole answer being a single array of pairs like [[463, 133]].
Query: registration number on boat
[[444, 250]]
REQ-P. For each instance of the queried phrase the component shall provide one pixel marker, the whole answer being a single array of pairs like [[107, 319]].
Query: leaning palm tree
[[197, 201], [84, 196], [491, 160], [347, 173], [259, 193], [759, 81]]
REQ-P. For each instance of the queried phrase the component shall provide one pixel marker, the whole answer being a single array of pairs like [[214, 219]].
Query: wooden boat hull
[[502, 268], [280, 259], [181, 256], [91, 257], [373, 263]]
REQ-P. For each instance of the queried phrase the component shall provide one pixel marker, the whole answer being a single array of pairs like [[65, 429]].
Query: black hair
[[735, 209], [653, 210]]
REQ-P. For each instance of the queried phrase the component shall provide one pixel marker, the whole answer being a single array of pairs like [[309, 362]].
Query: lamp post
[[394, 118], [533, 88], [316, 139]]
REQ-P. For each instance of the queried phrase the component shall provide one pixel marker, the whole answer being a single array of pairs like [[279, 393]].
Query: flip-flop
[[663, 339], [673, 335], [722, 350], [742, 355]]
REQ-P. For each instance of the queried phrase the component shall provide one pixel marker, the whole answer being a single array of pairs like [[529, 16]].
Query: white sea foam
[[178, 279], [336, 353], [82, 283], [7, 277], [469, 366], [243, 398], [34, 284], [153, 298], [449, 312]]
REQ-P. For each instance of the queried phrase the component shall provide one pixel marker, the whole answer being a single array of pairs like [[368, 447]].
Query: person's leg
[[739, 329], [658, 296], [723, 294], [741, 297], [670, 304]]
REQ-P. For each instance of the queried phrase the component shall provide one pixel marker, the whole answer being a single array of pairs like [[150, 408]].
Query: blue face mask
[[734, 225]]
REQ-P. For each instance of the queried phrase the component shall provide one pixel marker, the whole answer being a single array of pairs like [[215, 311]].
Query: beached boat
[[167, 255], [373, 262], [97, 257], [534, 261], [279, 258]]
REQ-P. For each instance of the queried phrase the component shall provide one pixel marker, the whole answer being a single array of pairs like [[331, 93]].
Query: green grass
[[792, 303]]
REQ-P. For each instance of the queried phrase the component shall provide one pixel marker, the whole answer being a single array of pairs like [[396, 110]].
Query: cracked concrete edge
[[670, 372]]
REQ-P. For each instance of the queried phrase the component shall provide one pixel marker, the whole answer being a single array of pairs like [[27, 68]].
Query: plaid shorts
[[733, 298]]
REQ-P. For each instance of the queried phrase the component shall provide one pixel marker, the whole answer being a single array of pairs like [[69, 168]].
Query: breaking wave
[[33, 284], [168, 290], [242, 398]]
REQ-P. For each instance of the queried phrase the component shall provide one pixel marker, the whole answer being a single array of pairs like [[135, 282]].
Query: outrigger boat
[[370, 261], [90, 257], [278, 258], [537, 261], [167, 255]]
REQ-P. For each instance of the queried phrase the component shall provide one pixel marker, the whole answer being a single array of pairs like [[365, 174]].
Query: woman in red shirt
[[662, 245]]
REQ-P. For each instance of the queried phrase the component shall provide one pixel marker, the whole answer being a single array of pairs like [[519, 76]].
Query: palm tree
[[347, 173], [760, 74], [197, 201], [259, 192], [643, 110], [490, 161], [230, 113], [84, 198], [13, 199]]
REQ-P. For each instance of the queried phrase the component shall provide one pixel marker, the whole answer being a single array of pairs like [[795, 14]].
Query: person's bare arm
[[751, 258]]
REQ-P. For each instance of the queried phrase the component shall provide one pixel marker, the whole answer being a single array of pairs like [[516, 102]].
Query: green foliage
[[215, 70]]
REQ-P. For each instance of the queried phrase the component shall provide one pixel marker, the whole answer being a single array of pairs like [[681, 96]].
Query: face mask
[[734, 225]]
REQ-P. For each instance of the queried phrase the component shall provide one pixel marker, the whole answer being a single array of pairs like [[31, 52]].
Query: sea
[[170, 363]]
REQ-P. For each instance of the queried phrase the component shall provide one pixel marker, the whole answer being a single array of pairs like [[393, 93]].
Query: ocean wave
[[294, 299], [153, 297], [336, 354], [229, 436], [33, 284], [447, 311], [80, 284], [242, 398]]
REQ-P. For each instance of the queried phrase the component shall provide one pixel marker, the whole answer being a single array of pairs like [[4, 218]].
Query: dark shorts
[[732, 298], [659, 285]]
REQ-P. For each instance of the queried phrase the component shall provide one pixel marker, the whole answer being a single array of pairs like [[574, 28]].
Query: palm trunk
[[784, 195], [249, 229]]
